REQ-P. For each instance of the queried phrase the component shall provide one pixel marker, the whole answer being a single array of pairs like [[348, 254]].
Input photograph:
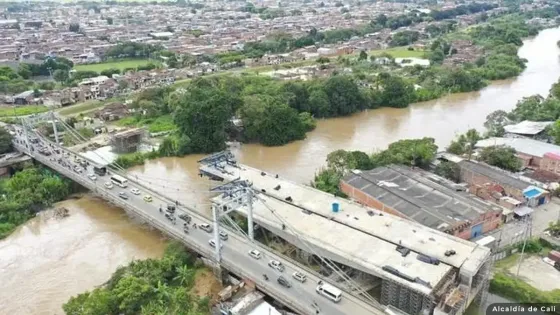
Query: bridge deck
[[384, 228]]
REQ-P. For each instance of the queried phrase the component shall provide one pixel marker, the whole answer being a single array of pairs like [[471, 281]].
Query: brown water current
[[47, 261]]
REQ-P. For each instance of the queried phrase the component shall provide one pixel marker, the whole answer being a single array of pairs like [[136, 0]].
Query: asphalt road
[[235, 257]]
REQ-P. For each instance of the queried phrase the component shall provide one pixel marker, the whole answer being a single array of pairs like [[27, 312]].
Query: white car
[[92, 176], [299, 276], [205, 227], [255, 254], [135, 191], [275, 264], [109, 185], [213, 244]]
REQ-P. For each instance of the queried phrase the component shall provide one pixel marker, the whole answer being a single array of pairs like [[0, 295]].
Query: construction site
[[386, 260]]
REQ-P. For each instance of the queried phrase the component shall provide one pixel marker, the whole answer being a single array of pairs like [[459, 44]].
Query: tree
[[472, 136], [5, 141], [24, 71], [465, 143], [495, 122], [109, 20], [328, 180], [449, 170], [202, 116], [60, 75], [185, 276], [74, 27], [395, 91], [502, 157], [410, 152], [363, 55], [554, 228]]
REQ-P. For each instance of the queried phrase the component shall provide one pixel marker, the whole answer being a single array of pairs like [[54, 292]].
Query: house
[[24, 98], [424, 197], [112, 111]]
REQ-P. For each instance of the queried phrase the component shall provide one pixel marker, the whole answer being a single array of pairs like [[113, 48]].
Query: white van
[[329, 292]]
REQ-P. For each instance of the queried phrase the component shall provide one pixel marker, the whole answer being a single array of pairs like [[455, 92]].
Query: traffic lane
[[303, 295]]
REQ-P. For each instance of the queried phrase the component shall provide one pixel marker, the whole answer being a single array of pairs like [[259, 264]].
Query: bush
[[519, 291]]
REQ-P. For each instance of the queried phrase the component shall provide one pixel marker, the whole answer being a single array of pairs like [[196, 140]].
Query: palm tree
[[162, 292], [472, 136], [185, 276]]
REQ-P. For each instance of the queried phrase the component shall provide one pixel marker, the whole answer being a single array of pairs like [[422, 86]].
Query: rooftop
[[521, 145], [366, 251], [381, 229], [527, 127], [500, 176], [413, 194]]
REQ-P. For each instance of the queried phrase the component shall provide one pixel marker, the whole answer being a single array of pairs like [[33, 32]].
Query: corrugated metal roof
[[521, 145], [527, 127]]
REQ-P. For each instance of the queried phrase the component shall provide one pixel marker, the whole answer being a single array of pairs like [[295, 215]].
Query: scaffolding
[[405, 299]]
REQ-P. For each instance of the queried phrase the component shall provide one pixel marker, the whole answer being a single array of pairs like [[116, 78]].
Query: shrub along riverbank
[[28, 192], [146, 287]]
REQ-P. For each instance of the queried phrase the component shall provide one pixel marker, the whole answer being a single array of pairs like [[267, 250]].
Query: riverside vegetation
[[147, 287]]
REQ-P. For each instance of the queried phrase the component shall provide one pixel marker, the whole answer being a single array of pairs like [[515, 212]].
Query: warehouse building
[[423, 197]]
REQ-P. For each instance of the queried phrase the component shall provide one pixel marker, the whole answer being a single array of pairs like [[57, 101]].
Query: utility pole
[[525, 237]]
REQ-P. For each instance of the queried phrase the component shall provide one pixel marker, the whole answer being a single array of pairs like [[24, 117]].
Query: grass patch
[[120, 64], [399, 52], [510, 287], [154, 125], [80, 108], [506, 263], [22, 110]]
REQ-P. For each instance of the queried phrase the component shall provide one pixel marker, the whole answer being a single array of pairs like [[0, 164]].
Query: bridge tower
[[239, 194]]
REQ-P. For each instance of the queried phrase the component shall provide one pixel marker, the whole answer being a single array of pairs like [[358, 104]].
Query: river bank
[[44, 263]]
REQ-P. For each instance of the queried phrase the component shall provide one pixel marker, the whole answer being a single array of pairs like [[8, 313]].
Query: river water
[[46, 261]]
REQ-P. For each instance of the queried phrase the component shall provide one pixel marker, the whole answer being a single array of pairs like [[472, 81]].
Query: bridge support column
[[304, 256], [220, 273]]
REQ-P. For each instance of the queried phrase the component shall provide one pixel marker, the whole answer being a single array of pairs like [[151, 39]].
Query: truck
[[100, 171], [488, 241]]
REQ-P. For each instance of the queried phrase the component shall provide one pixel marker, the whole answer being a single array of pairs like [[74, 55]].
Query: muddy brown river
[[48, 260]]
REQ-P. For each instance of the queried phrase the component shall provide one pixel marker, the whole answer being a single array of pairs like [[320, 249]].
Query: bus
[[119, 181]]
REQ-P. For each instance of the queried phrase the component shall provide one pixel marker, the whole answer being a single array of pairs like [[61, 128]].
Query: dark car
[[123, 195], [185, 217], [170, 208], [283, 282]]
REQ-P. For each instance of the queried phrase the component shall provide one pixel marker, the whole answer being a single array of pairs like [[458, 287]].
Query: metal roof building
[[419, 196], [521, 145]]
